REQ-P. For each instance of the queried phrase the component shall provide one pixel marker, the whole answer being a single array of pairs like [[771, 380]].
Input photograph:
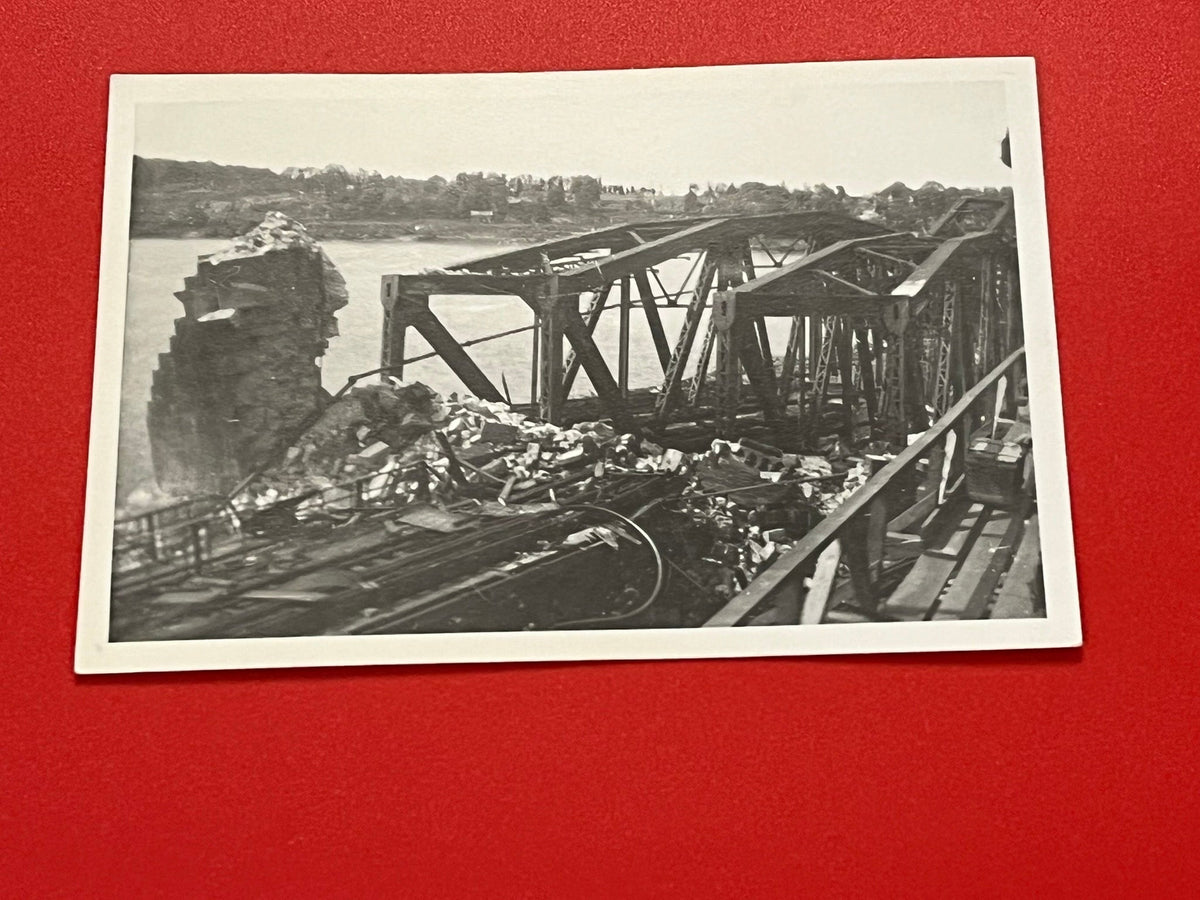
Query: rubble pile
[[753, 502], [373, 434], [737, 505], [275, 232], [368, 429]]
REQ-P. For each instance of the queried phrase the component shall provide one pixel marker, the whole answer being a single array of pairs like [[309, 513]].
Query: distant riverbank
[[432, 230]]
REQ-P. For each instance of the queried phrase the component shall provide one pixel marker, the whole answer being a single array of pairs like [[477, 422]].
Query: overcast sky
[[660, 128]]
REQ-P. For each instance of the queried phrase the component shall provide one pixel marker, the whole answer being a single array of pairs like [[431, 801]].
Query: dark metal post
[[623, 350], [395, 325], [534, 366], [551, 400], [729, 369]]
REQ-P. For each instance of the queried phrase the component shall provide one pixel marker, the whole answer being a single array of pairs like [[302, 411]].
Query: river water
[[157, 268]]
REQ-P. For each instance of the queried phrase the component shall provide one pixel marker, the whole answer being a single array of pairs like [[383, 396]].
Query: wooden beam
[[816, 598], [854, 553], [1017, 598], [954, 602], [976, 606], [952, 546], [877, 528], [915, 596]]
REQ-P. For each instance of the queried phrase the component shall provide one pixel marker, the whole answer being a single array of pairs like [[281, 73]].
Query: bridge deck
[[972, 561], [992, 572]]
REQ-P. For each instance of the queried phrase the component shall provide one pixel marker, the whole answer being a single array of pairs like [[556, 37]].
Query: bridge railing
[[166, 532], [800, 582], [188, 533]]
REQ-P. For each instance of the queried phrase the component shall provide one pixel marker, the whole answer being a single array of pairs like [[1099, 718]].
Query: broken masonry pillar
[[242, 372]]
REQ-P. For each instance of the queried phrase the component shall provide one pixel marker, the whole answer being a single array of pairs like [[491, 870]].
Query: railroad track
[[381, 567]]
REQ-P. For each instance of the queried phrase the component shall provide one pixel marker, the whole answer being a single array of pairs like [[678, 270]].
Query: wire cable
[[659, 578]]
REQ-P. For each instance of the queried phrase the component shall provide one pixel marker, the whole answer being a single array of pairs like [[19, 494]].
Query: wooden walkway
[[967, 560], [986, 564]]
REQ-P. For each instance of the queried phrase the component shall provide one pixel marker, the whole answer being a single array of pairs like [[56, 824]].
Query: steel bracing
[[887, 329]]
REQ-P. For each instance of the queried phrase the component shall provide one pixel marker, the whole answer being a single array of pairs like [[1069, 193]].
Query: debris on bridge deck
[[749, 488], [454, 473]]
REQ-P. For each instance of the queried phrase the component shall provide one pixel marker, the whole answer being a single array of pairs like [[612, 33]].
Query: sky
[[657, 128]]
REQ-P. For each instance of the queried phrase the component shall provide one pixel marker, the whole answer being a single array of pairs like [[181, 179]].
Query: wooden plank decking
[[978, 562]]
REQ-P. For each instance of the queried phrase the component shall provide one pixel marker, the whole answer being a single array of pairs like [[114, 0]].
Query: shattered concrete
[[241, 375]]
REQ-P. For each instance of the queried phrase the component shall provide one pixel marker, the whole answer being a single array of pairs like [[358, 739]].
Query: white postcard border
[[1060, 628]]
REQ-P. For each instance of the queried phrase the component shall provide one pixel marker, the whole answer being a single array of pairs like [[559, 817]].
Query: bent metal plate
[[449, 368]]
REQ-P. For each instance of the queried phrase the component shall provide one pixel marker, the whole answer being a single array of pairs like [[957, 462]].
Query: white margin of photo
[[1060, 628]]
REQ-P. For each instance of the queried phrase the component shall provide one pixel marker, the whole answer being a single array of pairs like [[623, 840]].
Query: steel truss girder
[[838, 295]]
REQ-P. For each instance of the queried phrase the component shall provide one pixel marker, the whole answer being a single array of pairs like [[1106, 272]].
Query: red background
[[1055, 773]]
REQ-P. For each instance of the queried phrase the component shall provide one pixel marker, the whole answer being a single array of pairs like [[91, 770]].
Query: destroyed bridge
[[904, 322], [877, 469]]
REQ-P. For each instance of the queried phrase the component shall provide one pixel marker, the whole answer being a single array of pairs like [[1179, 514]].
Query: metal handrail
[[788, 572]]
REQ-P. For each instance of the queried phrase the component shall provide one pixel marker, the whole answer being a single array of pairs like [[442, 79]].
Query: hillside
[[172, 198]]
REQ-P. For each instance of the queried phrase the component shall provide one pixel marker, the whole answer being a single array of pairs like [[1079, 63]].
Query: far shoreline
[[432, 231]]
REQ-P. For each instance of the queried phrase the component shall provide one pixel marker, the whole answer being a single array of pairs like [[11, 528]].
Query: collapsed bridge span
[[872, 466]]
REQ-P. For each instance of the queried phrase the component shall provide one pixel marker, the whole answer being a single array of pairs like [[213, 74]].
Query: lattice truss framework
[[886, 328]]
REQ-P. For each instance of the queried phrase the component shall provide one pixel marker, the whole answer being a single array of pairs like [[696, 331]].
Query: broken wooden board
[[1016, 599], [816, 598], [915, 514], [915, 596], [431, 518], [959, 539], [901, 546], [285, 595], [954, 603], [985, 591]]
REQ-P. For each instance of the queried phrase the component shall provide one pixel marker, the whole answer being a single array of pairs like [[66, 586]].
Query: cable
[[659, 578]]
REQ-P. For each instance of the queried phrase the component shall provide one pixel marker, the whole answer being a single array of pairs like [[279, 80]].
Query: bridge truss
[[887, 329]]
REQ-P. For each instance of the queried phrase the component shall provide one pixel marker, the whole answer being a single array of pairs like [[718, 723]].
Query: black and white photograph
[[697, 362]]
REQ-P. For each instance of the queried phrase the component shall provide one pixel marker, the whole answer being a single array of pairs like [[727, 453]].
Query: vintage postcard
[[697, 362]]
